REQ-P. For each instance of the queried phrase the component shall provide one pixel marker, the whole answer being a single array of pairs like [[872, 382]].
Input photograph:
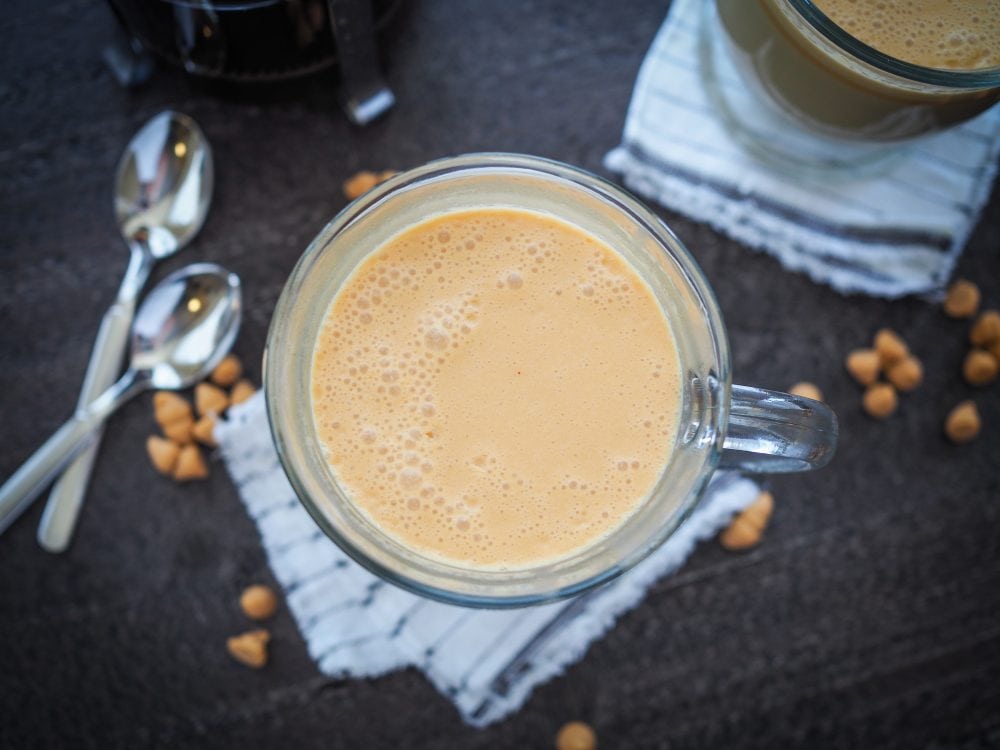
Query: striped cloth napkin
[[895, 233], [355, 624]]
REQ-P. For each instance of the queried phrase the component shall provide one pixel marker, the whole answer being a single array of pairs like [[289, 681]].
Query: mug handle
[[777, 432]]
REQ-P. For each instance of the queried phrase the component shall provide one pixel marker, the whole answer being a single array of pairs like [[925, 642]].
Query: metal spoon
[[162, 191], [183, 329]]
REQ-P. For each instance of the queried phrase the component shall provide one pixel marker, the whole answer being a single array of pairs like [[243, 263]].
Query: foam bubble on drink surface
[[496, 387]]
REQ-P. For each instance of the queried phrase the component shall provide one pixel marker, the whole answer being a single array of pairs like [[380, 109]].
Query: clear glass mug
[[721, 425], [800, 91]]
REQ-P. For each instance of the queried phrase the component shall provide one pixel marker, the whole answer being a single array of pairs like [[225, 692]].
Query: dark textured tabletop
[[869, 616]]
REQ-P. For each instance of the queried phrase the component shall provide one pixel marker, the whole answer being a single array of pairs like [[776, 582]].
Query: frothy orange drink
[[947, 34], [496, 388]]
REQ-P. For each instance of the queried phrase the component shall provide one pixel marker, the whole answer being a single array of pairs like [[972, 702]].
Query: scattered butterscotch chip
[[980, 367], [190, 464], [906, 374], [806, 390], [963, 423], [209, 399], [758, 513], [745, 530], [576, 736], [864, 365], [227, 372], [258, 602], [962, 300], [986, 329], [169, 407], [880, 400], [249, 648], [890, 347], [204, 431], [359, 184], [739, 535], [241, 392], [179, 430], [162, 453], [386, 174]]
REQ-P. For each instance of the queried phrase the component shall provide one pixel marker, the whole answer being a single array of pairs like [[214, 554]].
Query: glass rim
[[322, 242], [971, 78]]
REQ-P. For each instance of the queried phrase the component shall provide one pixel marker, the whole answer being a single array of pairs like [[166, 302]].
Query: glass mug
[[813, 95], [720, 425]]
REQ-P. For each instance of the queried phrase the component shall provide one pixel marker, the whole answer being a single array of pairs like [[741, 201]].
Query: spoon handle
[[63, 507], [27, 482], [66, 498]]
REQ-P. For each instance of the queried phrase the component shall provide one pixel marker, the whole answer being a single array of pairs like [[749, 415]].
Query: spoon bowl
[[186, 325], [182, 330], [164, 184]]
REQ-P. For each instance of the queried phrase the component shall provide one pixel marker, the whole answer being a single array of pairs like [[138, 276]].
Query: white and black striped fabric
[[895, 233], [356, 624]]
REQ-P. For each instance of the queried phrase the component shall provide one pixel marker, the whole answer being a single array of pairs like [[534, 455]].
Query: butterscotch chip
[[386, 174], [190, 464], [576, 736], [359, 184], [162, 453], [890, 347], [758, 513], [747, 526], [806, 390], [963, 423], [208, 399], [739, 535], [880, 400], [980, 367], [179, 430], [241, 392], [249, 648], [864, 365], [258, 602], [204, 431], [986, 329], [227, 372], [962, 300], [906, 374], [169, 407]]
